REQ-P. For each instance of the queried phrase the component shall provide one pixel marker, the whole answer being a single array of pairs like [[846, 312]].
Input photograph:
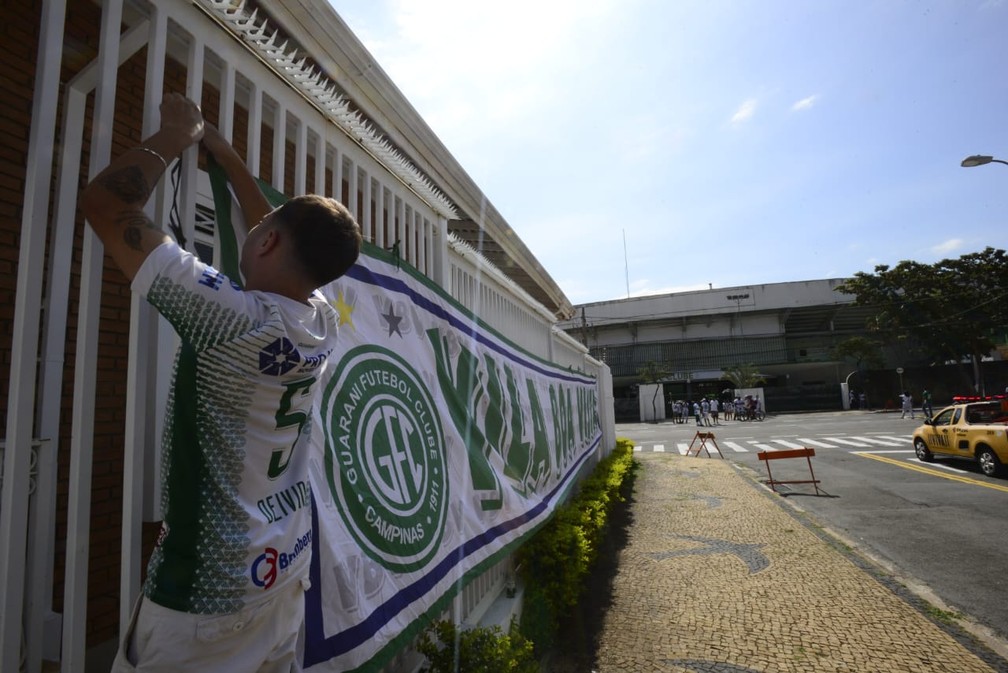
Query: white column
[[139, 433], [25, 343], [355, 199], [320, 163], [82, 437], [379, 214], [279, 145], [254, 136], [300, 159], [367, 224], [337, 175], [439, 242]]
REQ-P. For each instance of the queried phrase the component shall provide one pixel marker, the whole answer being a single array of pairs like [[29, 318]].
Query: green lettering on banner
[[463, 391], [587, 414], [540, 437], [524, 453], [563, 426]]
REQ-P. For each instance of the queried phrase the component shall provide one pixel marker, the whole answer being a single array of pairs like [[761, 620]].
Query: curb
[[983, 642]]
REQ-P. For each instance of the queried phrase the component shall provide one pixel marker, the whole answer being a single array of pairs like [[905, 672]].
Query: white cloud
[[948, 246], [744, 112], [500, 67], [805, 103], [652, 139]]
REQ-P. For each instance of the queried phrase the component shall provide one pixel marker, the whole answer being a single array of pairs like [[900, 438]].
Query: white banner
[[444, 446], [440, 447]]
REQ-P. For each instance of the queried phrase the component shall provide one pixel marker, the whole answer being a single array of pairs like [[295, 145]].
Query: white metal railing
[[483, 289], [266, 81], [38, 508]]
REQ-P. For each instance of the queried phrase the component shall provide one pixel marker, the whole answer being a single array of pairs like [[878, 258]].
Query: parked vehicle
[[975, 431]]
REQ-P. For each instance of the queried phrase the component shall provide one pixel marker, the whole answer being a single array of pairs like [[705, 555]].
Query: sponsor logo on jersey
[[271, 563], [385, 457], [279, 357]]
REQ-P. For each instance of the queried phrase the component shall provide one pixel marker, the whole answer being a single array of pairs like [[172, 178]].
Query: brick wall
[[20, 26], [17, 75]]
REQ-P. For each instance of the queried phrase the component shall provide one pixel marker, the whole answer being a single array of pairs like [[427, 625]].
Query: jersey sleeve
[[203, 305]]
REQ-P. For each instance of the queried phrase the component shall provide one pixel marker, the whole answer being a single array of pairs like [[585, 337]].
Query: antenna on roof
[[626, 265]]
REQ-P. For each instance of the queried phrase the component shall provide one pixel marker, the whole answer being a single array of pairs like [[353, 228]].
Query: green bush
[[558, 558], [477, 650]]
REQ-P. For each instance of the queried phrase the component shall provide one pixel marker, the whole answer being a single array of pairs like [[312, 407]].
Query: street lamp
[[980, 160]]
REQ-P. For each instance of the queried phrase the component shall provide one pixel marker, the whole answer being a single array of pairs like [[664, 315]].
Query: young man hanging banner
[[440, 447]]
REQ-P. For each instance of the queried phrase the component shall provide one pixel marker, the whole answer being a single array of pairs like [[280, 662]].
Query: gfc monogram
[[385, 457]]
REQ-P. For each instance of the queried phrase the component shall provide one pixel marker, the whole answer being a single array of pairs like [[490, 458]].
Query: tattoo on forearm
[[128, 184], [133, 225]]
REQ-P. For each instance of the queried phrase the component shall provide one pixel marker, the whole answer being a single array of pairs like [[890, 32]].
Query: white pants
[[261, 638]]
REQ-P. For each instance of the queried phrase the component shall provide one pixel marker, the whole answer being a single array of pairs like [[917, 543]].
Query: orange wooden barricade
[[704, 438], [806, 453]]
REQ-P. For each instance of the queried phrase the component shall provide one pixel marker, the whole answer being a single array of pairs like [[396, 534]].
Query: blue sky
[[728, 142]]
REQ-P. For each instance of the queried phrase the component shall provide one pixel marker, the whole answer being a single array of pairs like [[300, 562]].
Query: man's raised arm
[[113, 201], [251, 200]]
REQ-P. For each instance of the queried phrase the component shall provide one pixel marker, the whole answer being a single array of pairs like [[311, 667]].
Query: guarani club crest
[[385, 457]]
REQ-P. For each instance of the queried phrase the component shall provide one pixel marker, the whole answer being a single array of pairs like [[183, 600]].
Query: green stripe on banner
[[227, 238]]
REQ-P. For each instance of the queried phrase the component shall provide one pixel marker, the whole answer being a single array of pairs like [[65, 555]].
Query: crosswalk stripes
[[900, 440], [879, 441], [816, 443], [831, 442], [848, 442]]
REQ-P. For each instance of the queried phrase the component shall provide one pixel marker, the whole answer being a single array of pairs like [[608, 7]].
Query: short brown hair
[[327, 239]]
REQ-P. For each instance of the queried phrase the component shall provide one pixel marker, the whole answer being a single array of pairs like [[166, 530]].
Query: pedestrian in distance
[[705, 411], [714, 410], [907, 405], [225, 583], [926, 407]]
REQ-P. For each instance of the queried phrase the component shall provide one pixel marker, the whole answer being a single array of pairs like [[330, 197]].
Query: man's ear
[[269, 241]]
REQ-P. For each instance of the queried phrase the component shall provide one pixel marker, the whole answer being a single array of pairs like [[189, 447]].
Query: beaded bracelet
[[148, 150]]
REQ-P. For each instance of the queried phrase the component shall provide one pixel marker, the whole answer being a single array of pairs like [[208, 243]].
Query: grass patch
[[943, 616]]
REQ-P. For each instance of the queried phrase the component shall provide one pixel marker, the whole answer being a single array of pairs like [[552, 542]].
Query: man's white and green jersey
[[236, 496]]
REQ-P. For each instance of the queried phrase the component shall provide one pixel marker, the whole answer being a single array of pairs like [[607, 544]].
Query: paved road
[[941, 526]]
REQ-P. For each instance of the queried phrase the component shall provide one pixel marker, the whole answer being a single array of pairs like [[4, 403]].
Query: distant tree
[[951, 308], [744, 376], [652, 372], [864, 351]]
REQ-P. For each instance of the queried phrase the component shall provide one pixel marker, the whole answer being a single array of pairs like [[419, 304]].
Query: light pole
[[970, 162], [980, 160]]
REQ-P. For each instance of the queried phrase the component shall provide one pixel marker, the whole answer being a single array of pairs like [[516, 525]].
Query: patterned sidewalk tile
[[719, 577]]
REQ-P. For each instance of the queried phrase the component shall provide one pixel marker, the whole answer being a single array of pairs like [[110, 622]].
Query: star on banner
[[393, 320], [344, 310]]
